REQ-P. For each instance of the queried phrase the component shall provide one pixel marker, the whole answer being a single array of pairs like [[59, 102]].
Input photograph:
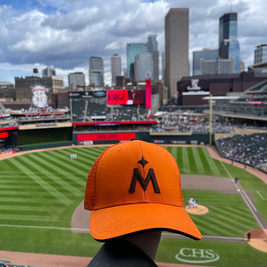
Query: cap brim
[[126, 219]]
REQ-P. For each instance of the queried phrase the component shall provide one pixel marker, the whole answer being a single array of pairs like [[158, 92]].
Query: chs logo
[[194, 255]]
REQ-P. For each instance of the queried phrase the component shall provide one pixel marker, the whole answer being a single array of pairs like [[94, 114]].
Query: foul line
[[251, 204], [171, 235], [263, 198], [44, 227], [230, 176]]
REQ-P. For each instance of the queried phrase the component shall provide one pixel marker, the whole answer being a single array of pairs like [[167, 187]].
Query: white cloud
[[71, 31], [112, 46]]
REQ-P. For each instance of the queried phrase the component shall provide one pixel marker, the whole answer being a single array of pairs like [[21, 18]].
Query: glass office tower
[[152, 47], [143, 64], [132, 50], [231, 49], [96, 71], [206, 54], [228, 43], [228, 27]]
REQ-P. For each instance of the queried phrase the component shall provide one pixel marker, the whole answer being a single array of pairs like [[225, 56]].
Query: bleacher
[[5, 119], [258, 87], [86, 111], [247, 149]]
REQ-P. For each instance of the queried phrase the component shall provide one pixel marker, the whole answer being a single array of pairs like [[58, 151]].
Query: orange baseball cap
[[136, 186]]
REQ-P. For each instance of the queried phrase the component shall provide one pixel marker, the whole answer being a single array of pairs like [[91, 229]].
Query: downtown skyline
[[44, 33]]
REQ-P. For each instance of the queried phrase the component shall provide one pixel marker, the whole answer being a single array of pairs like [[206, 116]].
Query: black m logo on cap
[[144, 182]]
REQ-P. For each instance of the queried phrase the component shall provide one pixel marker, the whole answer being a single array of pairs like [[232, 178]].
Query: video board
[[125, 97]]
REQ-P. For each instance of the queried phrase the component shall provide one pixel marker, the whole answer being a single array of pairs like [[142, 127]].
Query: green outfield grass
[[230, 254], [41, 190], [228, 214]]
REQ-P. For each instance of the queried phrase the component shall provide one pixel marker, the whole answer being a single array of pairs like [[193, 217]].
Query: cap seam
[[100, 157], [137, 201]]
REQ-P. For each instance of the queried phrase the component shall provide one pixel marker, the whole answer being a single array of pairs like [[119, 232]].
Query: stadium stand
[[247, 149], [5, 119], [86, 111]]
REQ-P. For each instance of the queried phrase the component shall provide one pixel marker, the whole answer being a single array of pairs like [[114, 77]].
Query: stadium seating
[[93, 109], [248, 149]]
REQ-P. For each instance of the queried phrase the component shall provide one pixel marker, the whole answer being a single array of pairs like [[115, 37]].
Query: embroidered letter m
[[144, 182]]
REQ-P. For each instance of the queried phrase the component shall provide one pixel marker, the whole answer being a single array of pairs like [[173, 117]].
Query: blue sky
[[65, 33]]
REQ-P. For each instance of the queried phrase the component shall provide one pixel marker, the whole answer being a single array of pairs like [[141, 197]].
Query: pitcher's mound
[[199, 210], [258, 239]]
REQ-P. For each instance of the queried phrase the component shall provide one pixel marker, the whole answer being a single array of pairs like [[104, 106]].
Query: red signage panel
[[3, 135], [125, 97], [255, 102], [106, 136]]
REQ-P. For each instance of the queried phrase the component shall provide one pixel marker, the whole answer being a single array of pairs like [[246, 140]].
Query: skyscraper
[[206, 54], [176, 48], [228, 27], [48, 72], [228, 41], [152, 47], [115, 67], [132, 50], [260, 54], [76, 79], [96, 71], [231, 49], [143, 64]]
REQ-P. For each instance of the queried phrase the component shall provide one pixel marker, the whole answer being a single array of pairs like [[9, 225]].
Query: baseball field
[[40, 191]]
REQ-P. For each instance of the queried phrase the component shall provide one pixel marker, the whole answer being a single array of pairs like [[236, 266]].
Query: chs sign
[[196, 255]]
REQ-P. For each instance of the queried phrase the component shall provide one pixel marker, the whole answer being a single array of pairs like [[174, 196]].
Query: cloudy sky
[[65, 33]]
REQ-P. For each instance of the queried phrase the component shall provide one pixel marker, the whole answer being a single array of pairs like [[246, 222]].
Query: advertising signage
[[255, 102], [125, 97], [82, 94], [4, 135], [98, 94], [105, 136]]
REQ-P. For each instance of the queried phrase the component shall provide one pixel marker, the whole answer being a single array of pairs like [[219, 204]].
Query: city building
[[132, 50], [228, 27], [206, 54], [163, 68], [7, 90], [176, 48], [193, 89], [48, 72], [143, 64], [152, 47], [231, 49], [217, 66], [76, 79], [242, 66], [96, 71], [260, 54], [125, 72], [25, 85], [115, 67], [120, 81], [228, 41]]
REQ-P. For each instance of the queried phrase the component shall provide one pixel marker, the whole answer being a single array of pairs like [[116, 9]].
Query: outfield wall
[[161, 138], [39, 136]]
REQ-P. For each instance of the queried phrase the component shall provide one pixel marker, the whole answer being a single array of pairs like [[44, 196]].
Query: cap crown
[[132, 173]]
